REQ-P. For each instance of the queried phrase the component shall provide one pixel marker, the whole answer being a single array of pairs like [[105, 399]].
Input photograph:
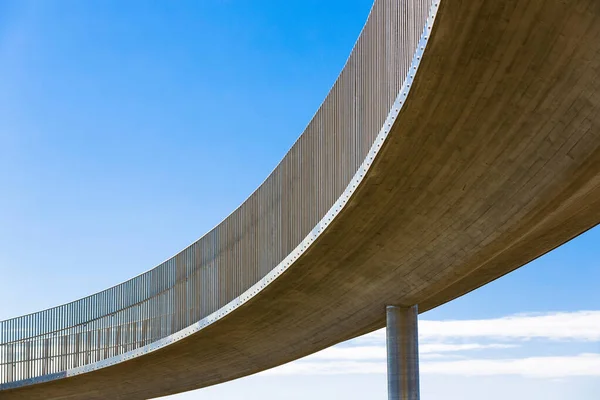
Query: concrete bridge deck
[[490, 160]]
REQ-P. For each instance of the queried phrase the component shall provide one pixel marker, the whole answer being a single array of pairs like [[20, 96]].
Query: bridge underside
[[493, 161]]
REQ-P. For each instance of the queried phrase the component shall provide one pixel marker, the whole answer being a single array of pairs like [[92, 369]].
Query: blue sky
[[128, 129]]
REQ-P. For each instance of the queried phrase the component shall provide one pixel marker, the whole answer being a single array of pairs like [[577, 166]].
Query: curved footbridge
[[460, 141]]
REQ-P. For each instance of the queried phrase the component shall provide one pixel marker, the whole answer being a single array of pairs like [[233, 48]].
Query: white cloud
[[442, 350], [574, 326], [584, 325], [445, 348], [379, 352], [328, 368], [535, 367], [438, 356]]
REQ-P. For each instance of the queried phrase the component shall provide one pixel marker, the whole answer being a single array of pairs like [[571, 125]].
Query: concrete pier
[[402, 353]]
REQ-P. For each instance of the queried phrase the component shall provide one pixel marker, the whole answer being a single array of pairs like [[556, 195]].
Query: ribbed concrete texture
[[402, 352], [460, 141]]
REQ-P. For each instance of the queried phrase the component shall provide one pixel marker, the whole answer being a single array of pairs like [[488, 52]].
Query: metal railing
[[249, 243]]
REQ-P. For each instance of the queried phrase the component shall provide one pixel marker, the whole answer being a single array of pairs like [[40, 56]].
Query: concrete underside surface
[[493, 161]]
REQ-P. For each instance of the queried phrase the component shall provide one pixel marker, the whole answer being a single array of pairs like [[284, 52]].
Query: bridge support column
[[402, 353]]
